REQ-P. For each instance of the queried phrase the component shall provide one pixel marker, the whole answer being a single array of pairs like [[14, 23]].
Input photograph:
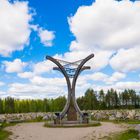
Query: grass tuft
[[4, 134], [127, 135]]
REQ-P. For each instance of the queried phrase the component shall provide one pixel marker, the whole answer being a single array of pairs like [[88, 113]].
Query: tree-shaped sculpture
[[70, 70]]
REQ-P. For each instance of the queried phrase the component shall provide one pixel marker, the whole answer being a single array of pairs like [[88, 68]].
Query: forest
[[128, 99]]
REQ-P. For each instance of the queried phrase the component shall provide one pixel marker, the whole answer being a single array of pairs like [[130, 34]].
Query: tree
[[108, 99], [1, 106], [90, 100], [81, 102], [102, 104], [9, 105], [125, 98], [59, 103], [46, 105]]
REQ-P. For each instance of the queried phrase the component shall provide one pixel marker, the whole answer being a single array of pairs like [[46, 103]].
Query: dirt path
[[36, 131]]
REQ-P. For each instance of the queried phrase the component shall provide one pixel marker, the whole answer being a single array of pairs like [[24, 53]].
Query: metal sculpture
[[71, 70]]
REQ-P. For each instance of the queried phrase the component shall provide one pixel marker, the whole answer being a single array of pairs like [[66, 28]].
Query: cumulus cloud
[[102, 77], [2, 83], [126, 60], [116, 76], [25, 75], [36, 69], [107, 24], [39, 87], [15, 66], [42, 67], [14, 26], [3, 94], [38, 80], [98, 76], [105, 27], [119, 86], [46, 37], [128, 85], [100, 60]]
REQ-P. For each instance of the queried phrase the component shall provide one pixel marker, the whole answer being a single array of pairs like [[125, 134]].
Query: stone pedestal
[[72, 114], [57, 121]]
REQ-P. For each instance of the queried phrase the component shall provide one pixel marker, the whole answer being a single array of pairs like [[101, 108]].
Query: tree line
[[128, 99], [11, 105]]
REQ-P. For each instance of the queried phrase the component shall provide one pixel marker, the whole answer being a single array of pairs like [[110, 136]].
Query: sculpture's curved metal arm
[[68, 84], [75, 79]]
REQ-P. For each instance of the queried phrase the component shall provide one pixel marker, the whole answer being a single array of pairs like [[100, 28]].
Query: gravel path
[[36, 131]]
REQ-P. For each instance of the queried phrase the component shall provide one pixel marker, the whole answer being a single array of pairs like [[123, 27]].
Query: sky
[[68, 30]]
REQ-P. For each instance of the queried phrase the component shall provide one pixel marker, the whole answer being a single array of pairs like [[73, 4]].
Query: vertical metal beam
[[61, 68], [75, 79]]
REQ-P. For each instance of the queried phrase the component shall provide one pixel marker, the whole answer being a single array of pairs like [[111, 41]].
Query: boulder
[[112, 118], [131, 114], [46, 117], [119, 115]]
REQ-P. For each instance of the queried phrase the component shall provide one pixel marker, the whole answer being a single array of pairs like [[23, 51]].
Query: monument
[[71, 71]]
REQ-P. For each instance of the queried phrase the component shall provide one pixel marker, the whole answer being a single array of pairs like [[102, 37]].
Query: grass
[[127, 135], [4, 134], [123, 121], [133, 122]]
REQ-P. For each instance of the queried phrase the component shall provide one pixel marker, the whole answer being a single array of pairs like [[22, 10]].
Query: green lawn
[[127, 135], [4, 135], [123, 121]]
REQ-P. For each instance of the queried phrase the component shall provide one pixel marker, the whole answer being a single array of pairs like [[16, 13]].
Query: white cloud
[[119, 86], [116, 76], [104, 28], [99, 76], [46, 37], [38, 80], [26, 75], [100, 60], [128, 85], [36, 69], [42, 67], [2, 83], [51, 88], [36, 89], [3, 94], [126, 60], [16, 66], [107, 24], [14, 26]]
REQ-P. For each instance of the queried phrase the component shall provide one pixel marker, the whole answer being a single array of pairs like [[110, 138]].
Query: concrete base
[[72, 124]]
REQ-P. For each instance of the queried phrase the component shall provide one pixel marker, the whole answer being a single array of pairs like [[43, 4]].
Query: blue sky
[[68, 30]]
